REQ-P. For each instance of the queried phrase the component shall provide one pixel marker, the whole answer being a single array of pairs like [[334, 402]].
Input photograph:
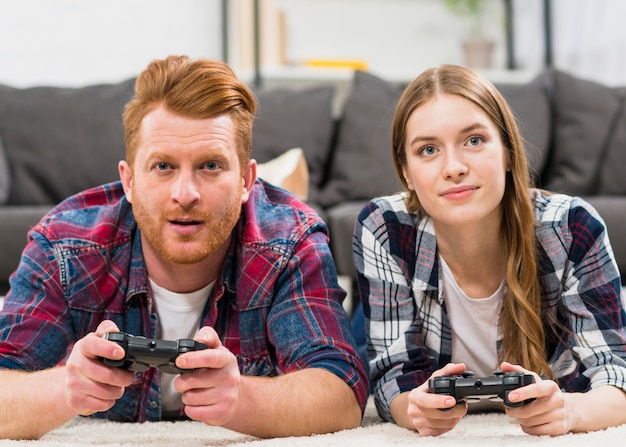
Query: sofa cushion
[[612, 179], [530, 104], [60, 141], [585, 117], [362, 166], [289, 171], [5, 175], [289, 118]]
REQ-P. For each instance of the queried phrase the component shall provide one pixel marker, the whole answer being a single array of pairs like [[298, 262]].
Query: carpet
[[475, 430], [484, 430]]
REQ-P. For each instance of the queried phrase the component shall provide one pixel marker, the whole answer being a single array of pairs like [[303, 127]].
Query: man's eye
[[212, 166], [162, 166]]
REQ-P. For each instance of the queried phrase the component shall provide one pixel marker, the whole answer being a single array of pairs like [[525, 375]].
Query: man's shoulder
[[95, 214], [274, 209]]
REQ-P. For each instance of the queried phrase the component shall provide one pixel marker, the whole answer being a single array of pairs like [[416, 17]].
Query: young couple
[[468, 267]]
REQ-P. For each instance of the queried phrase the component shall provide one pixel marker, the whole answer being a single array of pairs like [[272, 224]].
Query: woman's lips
[[459, 193]]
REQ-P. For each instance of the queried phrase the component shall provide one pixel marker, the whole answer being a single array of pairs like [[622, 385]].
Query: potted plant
[[478, 49]]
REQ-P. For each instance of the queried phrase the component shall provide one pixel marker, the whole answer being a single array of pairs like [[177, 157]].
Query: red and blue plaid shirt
[[278, 307], [409, 335]]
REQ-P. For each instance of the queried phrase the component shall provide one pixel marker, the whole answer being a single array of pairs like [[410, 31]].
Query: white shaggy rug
[[474, 430]]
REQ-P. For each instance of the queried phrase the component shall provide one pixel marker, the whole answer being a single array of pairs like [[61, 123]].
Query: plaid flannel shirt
[[409, 337], [278, 307]]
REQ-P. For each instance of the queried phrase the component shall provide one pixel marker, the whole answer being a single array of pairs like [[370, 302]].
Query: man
[[188, 239]]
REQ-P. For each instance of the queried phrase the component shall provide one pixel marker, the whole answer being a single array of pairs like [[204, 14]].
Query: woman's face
[[456, 162]]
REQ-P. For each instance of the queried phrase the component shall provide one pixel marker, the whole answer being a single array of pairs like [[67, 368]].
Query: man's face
[[186, 185]]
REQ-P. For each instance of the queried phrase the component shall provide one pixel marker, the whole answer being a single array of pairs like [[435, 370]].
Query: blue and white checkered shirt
[[409, 337]]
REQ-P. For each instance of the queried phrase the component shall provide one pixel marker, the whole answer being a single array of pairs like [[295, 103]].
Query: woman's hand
[[549, 414], [434, 414]]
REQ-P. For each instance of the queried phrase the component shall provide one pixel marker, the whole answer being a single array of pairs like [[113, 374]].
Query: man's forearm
[[302, 403], [32, 403]]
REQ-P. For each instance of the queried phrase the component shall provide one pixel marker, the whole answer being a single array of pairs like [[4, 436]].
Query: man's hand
[[211, 393], [425, 409], [90, 385]]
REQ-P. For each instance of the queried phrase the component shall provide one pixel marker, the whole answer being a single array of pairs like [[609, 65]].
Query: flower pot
[[478, 52]]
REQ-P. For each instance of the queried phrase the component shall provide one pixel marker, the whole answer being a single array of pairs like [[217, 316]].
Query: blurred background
[[78, 42]]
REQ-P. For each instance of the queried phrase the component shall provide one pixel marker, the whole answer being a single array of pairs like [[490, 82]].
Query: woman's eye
[[475, 141], [428, 150]]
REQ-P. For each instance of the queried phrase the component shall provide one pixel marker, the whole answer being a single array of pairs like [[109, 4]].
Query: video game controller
[[467, 387], [143, 353]]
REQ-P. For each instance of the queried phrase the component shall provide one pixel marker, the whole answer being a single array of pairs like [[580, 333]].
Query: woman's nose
[[454, 164]]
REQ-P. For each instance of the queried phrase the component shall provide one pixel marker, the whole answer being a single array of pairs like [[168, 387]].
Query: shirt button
[[153, 404]]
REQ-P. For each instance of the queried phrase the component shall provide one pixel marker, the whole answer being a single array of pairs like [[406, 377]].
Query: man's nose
[[185, 190]]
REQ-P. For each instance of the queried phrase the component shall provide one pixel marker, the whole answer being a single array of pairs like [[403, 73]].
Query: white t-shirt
[[179, 317], [474, 325]]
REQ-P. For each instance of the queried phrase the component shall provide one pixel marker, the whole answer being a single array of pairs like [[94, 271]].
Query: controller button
[[511, 380], [443, 383]]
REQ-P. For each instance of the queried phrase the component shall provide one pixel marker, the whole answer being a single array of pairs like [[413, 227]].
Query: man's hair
[[521, 312], [199, 89]]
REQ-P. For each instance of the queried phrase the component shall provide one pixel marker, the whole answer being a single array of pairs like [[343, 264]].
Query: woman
[[471, 268]]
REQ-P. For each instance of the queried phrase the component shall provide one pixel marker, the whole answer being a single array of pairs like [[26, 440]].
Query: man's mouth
[[185, 222]]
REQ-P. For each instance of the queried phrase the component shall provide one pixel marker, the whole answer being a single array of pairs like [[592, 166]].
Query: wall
[[77, 42]]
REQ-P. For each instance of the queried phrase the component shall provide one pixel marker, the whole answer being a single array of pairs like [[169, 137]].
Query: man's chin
[[185, 256]]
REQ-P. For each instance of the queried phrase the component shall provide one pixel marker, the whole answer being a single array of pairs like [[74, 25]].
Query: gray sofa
[[57, 141]]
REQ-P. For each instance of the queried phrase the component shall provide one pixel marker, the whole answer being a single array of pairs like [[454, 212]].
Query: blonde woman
[[472, 269]]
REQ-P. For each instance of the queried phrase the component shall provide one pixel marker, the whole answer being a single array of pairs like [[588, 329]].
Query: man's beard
[[151, 226]]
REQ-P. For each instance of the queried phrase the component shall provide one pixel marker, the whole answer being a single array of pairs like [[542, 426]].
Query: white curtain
[[588, 37]]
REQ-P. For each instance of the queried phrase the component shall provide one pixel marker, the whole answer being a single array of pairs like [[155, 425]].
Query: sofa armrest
[[15, 222], [613, 210]]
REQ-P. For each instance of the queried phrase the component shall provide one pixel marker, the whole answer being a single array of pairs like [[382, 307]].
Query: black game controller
[[143, 353], [470, 388]]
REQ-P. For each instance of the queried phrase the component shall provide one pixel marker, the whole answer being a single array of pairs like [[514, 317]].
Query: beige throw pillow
[[289, 171]]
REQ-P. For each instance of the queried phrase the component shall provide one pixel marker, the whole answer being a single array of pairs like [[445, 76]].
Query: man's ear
[[126, 176], [248, 179]]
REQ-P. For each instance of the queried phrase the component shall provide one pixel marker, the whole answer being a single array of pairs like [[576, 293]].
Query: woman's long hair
[[523, 335]]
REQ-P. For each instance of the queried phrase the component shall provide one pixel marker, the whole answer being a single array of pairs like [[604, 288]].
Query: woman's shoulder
[[390, 209], [556, 209]]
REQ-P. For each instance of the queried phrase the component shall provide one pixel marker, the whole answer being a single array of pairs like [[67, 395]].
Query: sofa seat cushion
[[60, 141]]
